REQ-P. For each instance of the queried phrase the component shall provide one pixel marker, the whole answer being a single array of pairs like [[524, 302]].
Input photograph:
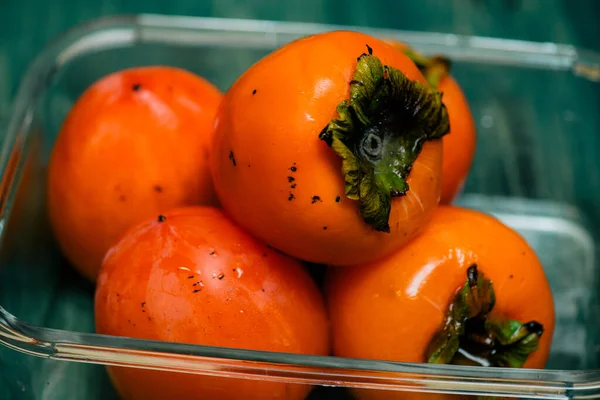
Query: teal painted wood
[[561, 165], [23, 34]]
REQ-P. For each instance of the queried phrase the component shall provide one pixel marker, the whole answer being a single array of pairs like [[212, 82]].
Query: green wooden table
[[26, 25]]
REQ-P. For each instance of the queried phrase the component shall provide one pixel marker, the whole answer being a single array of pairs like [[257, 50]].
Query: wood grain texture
[[26, 25]]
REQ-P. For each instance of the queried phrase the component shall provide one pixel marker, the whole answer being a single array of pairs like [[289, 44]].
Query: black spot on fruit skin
[[337, 199], [291, 196], [232, 158], [158, 188], [136, 87], [291, 179], [162, 218], [316, 199], [254, 92], [324, 228]]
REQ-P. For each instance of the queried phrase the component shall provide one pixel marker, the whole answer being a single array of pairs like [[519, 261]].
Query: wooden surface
[[26, 25]]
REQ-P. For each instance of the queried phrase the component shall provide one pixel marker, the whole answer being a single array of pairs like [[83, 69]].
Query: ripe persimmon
[[193, 276], [134, 144], [329, 149], [460, 143], [467, 290]]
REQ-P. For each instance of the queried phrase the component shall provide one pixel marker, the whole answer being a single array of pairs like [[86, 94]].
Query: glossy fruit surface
[[328, 149], [460, 143], [193, 276], [394, 308], [134, 144]]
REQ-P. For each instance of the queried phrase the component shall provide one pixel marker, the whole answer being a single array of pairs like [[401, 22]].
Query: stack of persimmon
[[195, 212]]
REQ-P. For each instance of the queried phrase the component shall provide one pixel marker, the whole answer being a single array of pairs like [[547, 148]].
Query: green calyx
[[434, 69], [437, 69], [471, 336], [379, 133]]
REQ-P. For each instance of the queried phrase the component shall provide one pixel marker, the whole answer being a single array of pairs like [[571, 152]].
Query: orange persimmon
[[193, 276], [134, 144], [467, 288], [460, 143], [329, 149]]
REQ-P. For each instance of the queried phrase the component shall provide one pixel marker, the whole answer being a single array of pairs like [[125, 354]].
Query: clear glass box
[[537, 108]]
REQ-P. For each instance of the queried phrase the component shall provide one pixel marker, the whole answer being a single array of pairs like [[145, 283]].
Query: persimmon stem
[[472, 336], [438, 69], [379, 132], [434, 69]]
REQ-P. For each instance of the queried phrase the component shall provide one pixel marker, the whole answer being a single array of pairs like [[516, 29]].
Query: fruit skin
[[390, 309], [134, 144], [285, 186], [196, 277], [460, 143]]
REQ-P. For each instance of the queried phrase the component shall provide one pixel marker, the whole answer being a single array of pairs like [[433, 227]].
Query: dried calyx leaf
[[434, 69], [379, 133], [471, 336]]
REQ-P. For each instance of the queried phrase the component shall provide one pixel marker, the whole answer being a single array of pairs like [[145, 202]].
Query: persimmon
[[193, 276], [468, 290], [460, 143], [134, 144], [329, 149]]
